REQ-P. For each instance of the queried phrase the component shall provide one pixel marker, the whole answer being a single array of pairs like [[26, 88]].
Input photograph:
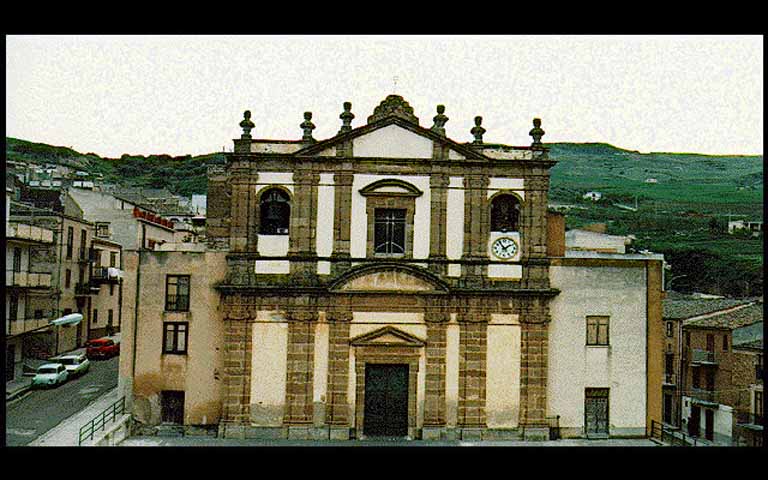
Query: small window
[[688, 339], [669, 329], [110, 316], [389, 231], [725, 343], [95, 315], [175, 337], [67, 278], [696, 378], [102, 229], [505, 213], [275, 210], [111, 289], [597, 330], [113, 259], [16, 259], [70, 241], [177, 293], [13, 307]]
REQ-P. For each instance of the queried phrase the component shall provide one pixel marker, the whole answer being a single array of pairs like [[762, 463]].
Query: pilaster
[[473, 344], [299, 385], [341, 223], [438, 214], [237, 372]]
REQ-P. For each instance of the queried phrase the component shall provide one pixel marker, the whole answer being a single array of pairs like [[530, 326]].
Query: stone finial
[[393, 105], [346, 118], [440, 119], [478, 131], [307, 126], [536, 132], [246, 124]]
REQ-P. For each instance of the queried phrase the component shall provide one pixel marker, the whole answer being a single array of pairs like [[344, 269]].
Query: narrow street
[[40, 410]]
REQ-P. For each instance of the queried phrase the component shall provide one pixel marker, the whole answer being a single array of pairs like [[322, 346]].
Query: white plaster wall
[[325, 213], [380, 318], [621, 294], [392, 141], [505, 272], [271, 179], [454, 269], [273, 245], [505, 183], [454, 224], [320, 375], [323, 268], [272, 266], [268, 370], [503, 376], [359, 226], [454, 155], [452, 372]]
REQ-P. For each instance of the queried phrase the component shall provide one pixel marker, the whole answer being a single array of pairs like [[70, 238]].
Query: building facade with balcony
[[106, 280], [390, 281], [719, 383], [25, 283], [67, 259]]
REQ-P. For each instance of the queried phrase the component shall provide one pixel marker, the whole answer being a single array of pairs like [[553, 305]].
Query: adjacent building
[[391, 281]]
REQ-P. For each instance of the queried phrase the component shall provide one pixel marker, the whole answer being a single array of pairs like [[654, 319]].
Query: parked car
[[75, 363], [50, 374], [102, 348]]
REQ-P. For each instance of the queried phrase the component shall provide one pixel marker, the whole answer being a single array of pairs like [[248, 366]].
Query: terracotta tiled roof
[[731, 319], [679, 307]]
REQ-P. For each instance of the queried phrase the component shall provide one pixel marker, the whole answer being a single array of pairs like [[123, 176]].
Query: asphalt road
[[40, 410]]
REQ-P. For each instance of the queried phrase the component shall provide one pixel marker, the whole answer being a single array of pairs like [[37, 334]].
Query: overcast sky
[[186, 94]]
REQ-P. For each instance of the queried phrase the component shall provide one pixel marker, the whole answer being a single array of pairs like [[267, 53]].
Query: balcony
[[28, 233], [83, 256], [703, 357], [706, 397], [82, 289], [750, 419], [27, 279], [106, 275], [24, 325]]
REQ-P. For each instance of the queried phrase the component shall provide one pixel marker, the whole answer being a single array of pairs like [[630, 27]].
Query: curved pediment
[[390, 187], [394, 278]]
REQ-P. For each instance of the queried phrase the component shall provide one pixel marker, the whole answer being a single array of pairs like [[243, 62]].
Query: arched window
[[275, 212], [505, 213]]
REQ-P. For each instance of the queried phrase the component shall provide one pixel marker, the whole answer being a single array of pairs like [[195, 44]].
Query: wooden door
[[386, 400], [596, 412]]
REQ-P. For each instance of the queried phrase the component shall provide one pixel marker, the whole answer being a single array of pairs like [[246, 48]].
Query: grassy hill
[[684, 215]]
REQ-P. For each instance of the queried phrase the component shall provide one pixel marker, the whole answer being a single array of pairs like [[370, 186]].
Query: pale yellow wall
[[268, 372], [325, 213], [200, 372], [321, 368], [503, 375], [454, 223], [452, 371]]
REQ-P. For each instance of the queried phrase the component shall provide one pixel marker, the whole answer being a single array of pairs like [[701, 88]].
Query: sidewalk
[[66, 434]]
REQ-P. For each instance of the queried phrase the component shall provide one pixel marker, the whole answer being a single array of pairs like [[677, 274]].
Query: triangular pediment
[[387, 336], [391, 137], [378, 278]]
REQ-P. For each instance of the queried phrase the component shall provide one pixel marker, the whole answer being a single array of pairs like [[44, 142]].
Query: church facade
[[390, 281]]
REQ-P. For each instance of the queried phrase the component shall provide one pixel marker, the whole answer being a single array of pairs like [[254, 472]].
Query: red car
[[102, 348]]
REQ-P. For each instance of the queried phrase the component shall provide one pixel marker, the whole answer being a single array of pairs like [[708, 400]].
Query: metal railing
[[670, 436], [99, 422], [702, 356]]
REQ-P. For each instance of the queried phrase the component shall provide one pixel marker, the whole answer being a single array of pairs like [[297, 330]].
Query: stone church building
[[390, 281]]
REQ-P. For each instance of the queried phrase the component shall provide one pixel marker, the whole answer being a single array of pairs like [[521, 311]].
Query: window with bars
[[16, 259], [597, 330], [389, 231], [95, 316], [13, 307], [275, 212], [177, 293], [175, 337]]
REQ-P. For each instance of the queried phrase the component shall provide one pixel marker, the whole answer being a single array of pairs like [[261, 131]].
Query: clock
[[504, 248]]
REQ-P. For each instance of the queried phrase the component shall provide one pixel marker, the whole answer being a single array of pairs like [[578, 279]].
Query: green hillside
[[684, 215]]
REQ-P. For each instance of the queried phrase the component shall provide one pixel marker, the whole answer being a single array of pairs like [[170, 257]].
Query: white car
[[50, 374], [76, 364]]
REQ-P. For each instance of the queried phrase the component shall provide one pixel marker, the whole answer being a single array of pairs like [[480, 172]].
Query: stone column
[[476, 228], [219, 208], [337, 403], [299, 385], [439, 204], [473, 343], [341, 222], [254, 213], [236, 404], [534, 233], [434, 401], [534, 354], [239, 210], [302, 241]]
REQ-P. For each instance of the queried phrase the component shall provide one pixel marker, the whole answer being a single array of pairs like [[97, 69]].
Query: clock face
[[504, 247]]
